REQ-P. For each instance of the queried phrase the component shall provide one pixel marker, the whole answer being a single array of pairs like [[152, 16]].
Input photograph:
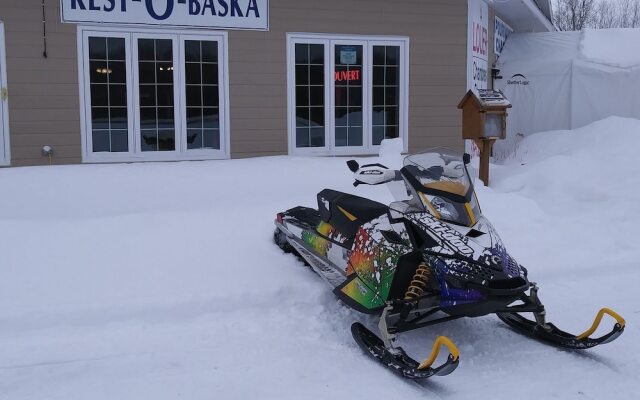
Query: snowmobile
[[426, 258]]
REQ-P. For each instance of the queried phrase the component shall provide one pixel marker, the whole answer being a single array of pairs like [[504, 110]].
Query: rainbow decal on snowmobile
[[374, 259]]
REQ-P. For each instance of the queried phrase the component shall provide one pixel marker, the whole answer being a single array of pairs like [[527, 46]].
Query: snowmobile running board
[[397, 359], [549, 333]]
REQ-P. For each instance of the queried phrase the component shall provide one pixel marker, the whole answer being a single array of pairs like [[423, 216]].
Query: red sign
[[345, 76]]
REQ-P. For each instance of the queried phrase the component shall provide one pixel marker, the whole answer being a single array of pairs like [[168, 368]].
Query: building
[[152, 80]]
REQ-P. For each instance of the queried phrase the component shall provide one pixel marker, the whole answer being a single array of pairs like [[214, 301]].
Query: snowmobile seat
[[347, 212]]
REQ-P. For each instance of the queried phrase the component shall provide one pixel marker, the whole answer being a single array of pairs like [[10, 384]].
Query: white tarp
[[566, 80]]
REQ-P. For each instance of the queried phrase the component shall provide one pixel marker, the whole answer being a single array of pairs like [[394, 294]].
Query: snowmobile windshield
[[441, 181]]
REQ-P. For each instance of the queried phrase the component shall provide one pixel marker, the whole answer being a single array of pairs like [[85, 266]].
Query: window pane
[[166, 140], [210, 51], [194, 96], [316, 54], [378, 55], [211, 139], [193, 73], [117, 71], [302, 75], [192, 51], [210, 74], [147, 71], [165, 95], [116, 50], [165, 72], [378, 135], [316, 137], [316, 75], [117, 95], [316, 96], [165, 117], [148, 118], [302, 116], [316, 116], [302, 95], [101, 141], [119, 140], [194, 117], [164, 50], [99, 95], [302, 53], [146, 50], [211, 118], [118, 118], [302, 137], [393, 55], [194, 138], [97, 48], [98, 71], [100, 117], [210, 96]]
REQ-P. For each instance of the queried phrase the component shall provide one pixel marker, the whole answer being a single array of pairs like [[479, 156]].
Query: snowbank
[[160, 281]]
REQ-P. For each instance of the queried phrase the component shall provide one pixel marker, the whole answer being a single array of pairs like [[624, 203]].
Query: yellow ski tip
[[440, 341], [597, 321]]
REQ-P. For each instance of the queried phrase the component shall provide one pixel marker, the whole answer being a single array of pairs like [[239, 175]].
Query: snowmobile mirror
[[466, 158], [353, 165]]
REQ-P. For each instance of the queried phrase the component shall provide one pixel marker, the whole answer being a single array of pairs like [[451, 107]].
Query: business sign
[[501, 33], [478, 45], [224, 14]]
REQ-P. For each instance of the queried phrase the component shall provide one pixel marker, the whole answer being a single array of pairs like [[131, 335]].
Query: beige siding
[[44, 102], [43, 93]]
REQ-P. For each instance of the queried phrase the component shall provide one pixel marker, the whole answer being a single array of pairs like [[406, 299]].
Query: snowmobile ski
[[397, 360], [549, 333]]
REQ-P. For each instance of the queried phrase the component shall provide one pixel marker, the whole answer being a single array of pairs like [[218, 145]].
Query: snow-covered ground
[[160, 281]]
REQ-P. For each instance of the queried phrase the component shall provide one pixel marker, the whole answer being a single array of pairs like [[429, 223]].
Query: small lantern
[[484, 115], [484, 120]]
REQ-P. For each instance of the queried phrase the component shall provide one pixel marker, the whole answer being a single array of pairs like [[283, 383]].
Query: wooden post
[[485, 145]]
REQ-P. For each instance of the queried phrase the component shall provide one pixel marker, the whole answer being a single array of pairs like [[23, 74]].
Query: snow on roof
[[614, 47]]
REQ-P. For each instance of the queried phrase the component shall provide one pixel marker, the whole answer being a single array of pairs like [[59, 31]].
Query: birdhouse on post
[[484, 120]]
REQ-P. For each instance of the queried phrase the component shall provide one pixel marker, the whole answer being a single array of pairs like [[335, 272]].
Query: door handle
[[4, 94]]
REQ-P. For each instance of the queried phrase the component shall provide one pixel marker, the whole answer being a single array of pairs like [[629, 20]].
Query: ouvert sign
[[217, 14]]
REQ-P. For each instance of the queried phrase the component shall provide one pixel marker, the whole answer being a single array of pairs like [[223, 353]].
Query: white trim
[[5, 156], [329, 40], [135, 154]]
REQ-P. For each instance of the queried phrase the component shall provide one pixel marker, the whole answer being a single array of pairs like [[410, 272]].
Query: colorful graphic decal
[[319, 244], [358, 291], [374, 259]]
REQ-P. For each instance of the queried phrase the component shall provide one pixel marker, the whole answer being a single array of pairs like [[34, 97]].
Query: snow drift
[[160, 280]]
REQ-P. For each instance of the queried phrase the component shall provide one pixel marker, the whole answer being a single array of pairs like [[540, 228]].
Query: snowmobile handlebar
[[372, 174]]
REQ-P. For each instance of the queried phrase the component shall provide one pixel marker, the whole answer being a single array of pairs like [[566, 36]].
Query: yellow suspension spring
[[419, 283]]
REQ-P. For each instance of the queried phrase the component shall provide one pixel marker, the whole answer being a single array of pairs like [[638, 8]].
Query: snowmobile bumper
[[397, 359], [549, 333]]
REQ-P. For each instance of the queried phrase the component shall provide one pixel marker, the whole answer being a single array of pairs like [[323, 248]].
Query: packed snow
[[161, 281]]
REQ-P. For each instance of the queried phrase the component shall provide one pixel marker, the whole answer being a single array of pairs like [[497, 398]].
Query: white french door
[[154, 95], [4, 108], [346, 93]]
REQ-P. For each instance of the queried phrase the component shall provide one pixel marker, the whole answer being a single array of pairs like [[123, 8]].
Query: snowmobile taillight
[[440, 341], [280, 218]]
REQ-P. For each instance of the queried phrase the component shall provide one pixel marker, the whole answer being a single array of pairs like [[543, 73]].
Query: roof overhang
[[524, 15]]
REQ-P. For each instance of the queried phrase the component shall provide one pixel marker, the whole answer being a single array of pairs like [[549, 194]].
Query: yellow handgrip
[[598, 319], [441, 340]]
